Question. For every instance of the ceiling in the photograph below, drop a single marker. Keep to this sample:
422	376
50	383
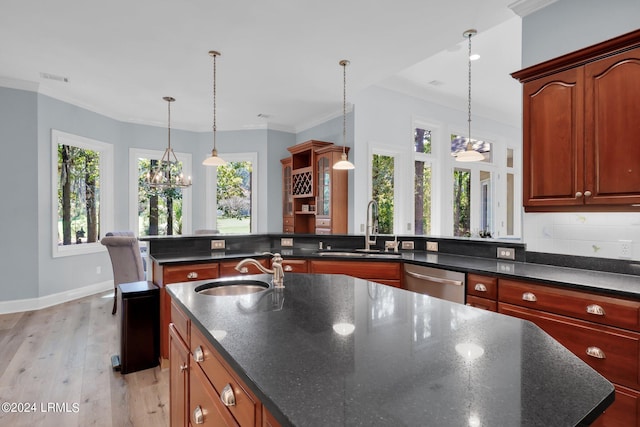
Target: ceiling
279	58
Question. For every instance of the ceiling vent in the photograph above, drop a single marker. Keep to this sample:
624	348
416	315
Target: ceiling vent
54	77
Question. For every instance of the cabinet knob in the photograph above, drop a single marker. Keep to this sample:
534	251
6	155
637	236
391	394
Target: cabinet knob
198	415
198	354
587	193
595	309
578	195
480	287
529	296
227	397
596	352
192	275
184	367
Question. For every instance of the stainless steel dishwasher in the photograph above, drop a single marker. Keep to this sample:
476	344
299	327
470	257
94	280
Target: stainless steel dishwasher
443	284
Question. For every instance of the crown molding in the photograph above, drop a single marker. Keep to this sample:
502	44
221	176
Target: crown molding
11	83
523	8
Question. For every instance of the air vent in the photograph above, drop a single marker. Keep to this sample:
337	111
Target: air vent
436	83
54	77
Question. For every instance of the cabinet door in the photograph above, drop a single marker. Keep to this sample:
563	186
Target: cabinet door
287	196
612	111
553	167
624	411
323	201
178	379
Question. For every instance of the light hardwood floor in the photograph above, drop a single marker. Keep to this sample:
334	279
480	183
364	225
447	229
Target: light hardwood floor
58	362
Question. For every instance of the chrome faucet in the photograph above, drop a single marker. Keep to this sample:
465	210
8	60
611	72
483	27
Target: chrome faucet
276	270
372	225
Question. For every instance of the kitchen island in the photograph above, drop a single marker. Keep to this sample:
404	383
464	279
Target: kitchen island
340	351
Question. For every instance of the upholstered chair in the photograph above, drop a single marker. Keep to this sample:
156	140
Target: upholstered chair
126	260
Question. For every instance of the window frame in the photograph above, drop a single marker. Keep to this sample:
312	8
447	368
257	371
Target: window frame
187	208
211	203
106	153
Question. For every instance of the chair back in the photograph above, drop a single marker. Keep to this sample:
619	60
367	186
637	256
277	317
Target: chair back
126	260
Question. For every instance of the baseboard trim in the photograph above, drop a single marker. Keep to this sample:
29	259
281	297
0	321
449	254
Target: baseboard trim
39	303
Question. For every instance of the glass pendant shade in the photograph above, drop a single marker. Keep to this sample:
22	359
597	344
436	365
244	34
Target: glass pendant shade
343	164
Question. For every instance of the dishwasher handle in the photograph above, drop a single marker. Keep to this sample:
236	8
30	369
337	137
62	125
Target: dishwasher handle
434	279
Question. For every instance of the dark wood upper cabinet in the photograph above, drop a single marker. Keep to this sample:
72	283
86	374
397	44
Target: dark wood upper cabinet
581	129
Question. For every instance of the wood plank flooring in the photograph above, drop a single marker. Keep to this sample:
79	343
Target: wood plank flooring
57	363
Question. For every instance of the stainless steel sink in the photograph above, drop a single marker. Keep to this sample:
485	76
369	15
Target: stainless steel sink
232	287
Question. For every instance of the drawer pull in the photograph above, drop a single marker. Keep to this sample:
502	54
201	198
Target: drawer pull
595	309
192	275
288	268
529	296
184	367
198	415
596	352
480	287
227	397
198	354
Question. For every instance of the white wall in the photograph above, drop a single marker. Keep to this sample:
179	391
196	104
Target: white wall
560	28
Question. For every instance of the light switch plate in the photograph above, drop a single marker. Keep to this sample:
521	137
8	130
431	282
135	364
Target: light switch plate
286	242
217	244
506	253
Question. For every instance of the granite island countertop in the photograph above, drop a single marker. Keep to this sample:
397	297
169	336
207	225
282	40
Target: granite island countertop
410	360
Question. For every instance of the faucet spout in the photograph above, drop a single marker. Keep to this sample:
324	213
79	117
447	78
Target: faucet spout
372	225
276	270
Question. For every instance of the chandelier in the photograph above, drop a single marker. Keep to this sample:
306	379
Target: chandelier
167	173
214	160
469	155
344	164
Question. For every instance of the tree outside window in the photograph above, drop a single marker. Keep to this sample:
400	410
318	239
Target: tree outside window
159	210
233	195
382	179
422	181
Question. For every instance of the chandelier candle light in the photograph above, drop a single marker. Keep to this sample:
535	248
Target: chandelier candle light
469	155
167	173
344	164
214	160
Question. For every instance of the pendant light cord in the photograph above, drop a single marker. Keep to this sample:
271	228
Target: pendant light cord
214	100
469	96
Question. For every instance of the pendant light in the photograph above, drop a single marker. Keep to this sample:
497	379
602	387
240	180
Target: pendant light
214	160
469	155
167	173
344	164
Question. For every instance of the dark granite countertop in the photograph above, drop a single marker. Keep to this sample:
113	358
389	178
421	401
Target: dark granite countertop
624	285
412	360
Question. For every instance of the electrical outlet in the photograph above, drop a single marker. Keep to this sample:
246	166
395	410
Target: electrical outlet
625	249
217	244
407	244
432	246
506	253
286	242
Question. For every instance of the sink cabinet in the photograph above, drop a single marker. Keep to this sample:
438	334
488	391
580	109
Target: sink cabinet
578	113
201	382
602	330
388	273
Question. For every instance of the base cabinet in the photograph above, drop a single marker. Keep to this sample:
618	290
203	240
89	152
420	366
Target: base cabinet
387	273
601	330
204	390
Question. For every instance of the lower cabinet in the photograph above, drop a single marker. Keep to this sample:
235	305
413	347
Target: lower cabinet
482	292
388	273
204	390
601	330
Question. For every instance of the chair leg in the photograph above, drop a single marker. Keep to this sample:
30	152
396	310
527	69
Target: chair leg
115	300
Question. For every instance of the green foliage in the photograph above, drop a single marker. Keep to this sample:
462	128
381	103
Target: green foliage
461	202
382	191
234	189
159	210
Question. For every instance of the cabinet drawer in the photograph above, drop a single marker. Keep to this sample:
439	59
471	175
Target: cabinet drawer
323	231
582	305
624	411
205	407
483	303
323	222
181	322
228	268
619	350
288	229
287	221
362	269
244	410
482	286
186	273
295	266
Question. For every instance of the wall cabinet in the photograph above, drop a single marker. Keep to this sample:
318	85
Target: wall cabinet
601	330
204	389
578	113
314	195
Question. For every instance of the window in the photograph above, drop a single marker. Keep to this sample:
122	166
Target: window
461	202
157	212
81	193
382	190
232	196
422	182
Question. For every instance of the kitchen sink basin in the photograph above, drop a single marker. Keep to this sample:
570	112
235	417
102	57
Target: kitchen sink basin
232	287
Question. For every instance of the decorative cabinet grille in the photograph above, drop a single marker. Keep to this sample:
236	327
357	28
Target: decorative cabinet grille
302	183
